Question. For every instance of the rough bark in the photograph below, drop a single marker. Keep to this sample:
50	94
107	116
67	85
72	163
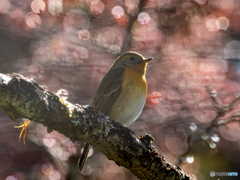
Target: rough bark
23	98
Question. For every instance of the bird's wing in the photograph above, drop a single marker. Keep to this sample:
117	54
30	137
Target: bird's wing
108	90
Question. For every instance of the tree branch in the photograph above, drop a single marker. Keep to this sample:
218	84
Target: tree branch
23	98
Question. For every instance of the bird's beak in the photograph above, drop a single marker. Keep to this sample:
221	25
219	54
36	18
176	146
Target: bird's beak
147	59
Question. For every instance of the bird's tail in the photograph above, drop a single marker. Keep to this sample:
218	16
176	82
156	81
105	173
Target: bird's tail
84	156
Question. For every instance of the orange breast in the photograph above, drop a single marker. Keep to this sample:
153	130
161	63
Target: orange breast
136	79
130	102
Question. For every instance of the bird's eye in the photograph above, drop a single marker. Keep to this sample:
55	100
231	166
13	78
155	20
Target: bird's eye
131	58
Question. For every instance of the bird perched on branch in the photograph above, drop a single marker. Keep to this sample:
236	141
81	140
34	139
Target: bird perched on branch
122	93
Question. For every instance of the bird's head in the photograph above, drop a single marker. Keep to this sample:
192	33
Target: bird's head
133	60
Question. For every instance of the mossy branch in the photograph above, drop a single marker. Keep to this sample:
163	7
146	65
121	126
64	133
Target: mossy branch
24	98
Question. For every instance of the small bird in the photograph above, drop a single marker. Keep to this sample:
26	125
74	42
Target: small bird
122	93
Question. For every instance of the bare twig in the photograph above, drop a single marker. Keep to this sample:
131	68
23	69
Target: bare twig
222	111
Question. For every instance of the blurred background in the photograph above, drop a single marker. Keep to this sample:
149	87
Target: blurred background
67	47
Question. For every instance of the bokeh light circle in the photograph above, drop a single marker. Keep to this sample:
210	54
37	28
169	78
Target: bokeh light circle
97	7
84	34
232	50
114	49
62	93
222	23
33	20
55	7
143	18
118	11
38	5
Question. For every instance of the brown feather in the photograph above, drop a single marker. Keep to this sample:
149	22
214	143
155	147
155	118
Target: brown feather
108	90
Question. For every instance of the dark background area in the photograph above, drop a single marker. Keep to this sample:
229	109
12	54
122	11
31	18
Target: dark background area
67	47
